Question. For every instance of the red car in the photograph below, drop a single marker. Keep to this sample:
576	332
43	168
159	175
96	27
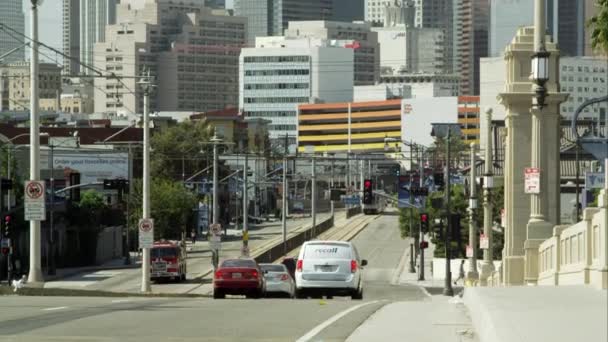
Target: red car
239	277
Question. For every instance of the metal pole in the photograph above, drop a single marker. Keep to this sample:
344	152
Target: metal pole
421	172
313	201
145	266
130	175
472	274
284	206
578	192
411	200
361	179
215	187
487	267
35	272
447	289
8	175
51	270
245	206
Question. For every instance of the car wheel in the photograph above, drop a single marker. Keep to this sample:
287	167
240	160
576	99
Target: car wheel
357	294
217	294
183	277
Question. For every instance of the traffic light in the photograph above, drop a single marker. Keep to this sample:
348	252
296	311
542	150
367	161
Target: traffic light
116	184
368	196
75	192
455	227
424	222
7	184
7	226
420	192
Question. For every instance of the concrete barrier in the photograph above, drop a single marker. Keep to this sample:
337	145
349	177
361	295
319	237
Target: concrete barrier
277	250
350	212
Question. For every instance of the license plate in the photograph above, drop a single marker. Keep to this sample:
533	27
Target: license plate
236	275
327	268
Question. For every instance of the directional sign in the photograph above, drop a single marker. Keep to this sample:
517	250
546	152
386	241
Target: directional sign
594	180
146	233
351	200
406	190
532	180
34	194
215	229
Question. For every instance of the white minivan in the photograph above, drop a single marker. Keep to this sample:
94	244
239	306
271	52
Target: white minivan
329	268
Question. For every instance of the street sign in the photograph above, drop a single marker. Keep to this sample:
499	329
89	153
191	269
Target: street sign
146	233
34	194
245	251
469	251
484	242
5	243
351	200
532	180
215	242
594	180
406	190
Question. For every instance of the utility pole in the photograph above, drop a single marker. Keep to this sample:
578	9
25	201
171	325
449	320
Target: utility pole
411	200
421	185
285	196
246	206
51	270
35	272
130	175
145	265
472	275
447	289
487	267
313	201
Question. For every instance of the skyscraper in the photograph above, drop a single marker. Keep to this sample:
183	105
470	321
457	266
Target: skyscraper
11	14
270	17
506	16
473	21
71	36
216	4
95	15
348	10
439	14
566	24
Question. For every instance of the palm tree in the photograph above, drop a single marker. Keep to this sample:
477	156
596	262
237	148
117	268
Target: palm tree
599	26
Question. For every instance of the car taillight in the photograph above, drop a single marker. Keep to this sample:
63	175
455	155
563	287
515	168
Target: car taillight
284	277
218	274
353	266
254	274
299	265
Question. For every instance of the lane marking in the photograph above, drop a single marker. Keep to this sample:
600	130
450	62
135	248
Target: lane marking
316	330
401	266
55	308
121	300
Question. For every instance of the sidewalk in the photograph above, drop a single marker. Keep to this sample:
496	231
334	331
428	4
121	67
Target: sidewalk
538	313
437	319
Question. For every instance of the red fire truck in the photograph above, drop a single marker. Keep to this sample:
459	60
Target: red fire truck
168	261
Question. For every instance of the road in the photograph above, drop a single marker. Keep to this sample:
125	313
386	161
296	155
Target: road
236	319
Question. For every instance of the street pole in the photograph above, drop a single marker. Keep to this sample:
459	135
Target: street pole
447	289
284	201
421	172
472	275
411	209
215	209
487	267
245	206
51	270
313	201
145	266
35	271
130	175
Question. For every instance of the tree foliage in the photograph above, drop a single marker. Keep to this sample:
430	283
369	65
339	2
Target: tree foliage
599	27
172	207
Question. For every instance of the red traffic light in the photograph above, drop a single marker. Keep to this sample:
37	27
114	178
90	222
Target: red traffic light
424	244
7	219
367	183
424	218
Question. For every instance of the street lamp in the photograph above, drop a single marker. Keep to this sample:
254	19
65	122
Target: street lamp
443	130
540	75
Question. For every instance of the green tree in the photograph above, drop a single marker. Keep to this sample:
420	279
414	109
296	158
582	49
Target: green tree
599	27
85	218
179	148
171	205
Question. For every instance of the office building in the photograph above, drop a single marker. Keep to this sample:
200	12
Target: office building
473	20
71	36
440	14
584	78
15	85
348	10
365	44
411	50
468	118
216	4
190	52
11	15
591	10
566	24
380	12
95	15
506	16
423	85
280	73
270	17
324	128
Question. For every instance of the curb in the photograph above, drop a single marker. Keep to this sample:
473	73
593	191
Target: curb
89	269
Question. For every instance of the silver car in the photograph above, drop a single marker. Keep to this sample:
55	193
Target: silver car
329	268
278	280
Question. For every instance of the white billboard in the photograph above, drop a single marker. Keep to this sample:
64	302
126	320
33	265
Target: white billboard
418	115
93	167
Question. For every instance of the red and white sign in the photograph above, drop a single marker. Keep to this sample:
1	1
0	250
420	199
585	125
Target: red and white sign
484	242
146	233
34	195
503	218
469	251
532	180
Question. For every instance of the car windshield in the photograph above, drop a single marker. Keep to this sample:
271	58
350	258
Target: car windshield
164	252
327	251
273	268
232	263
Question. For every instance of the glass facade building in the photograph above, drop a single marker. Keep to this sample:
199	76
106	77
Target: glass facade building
11	14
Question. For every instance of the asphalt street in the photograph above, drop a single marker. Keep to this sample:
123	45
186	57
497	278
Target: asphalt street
235	319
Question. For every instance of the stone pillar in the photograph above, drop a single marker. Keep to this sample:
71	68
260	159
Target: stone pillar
517	98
